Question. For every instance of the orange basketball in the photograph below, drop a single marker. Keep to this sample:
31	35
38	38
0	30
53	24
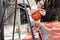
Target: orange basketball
36	16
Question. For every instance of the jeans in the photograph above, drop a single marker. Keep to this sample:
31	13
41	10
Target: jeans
45	36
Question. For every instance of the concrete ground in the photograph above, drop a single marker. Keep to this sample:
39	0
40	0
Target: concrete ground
8	31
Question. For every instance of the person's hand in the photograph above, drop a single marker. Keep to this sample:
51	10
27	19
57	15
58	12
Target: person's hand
43	12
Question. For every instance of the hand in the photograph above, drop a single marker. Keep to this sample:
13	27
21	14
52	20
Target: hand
43	12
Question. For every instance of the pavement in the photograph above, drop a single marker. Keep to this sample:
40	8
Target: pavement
54	34
8	31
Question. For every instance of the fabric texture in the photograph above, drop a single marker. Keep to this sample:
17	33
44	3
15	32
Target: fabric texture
45	36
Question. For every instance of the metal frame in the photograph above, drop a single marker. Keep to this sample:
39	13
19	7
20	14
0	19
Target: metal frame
14	20
28	20
2	10
2	17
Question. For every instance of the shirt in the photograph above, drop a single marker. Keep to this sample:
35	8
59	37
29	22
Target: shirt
31	2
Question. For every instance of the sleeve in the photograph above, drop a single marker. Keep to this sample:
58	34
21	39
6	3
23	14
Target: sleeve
32	3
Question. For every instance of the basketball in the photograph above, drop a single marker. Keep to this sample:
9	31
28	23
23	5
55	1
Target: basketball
36	16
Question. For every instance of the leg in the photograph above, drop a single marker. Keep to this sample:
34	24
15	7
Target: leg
45	36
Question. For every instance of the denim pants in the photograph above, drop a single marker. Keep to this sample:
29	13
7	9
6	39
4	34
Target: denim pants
45	36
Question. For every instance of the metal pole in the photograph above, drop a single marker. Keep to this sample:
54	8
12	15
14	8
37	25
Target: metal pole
28	20
2	10
19	24
14	20
2	25
28	4
19	31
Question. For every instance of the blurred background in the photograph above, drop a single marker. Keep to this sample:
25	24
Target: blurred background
7	8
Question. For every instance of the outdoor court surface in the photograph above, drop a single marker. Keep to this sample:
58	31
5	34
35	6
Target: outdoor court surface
54	33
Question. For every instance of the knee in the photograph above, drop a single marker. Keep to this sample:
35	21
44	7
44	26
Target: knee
46	33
